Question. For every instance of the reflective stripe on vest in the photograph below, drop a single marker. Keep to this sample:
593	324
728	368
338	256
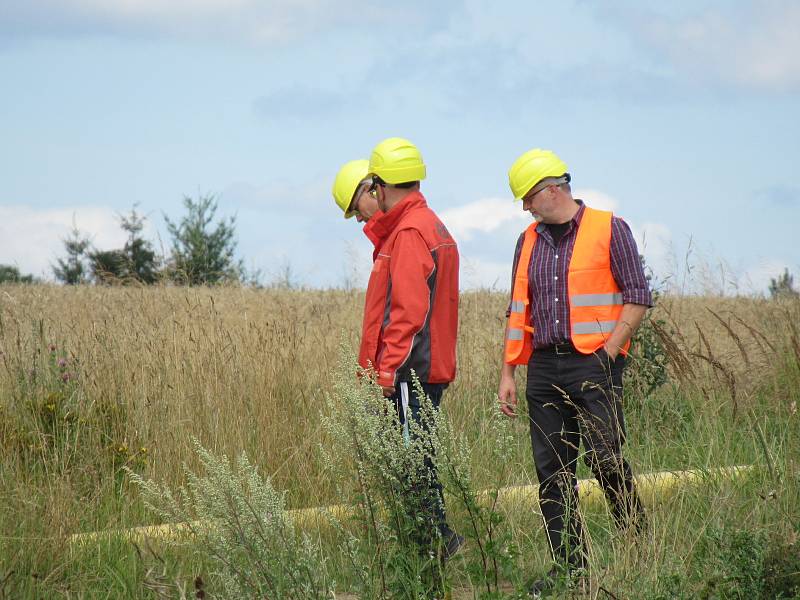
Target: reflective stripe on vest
515	334
596	327
518	307
595	300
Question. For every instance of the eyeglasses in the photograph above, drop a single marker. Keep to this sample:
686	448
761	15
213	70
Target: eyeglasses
544	184
353	209
528	197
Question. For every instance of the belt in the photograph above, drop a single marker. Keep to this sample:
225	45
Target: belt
558	349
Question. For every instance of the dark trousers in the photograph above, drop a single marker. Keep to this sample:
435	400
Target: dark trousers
574	397
434	391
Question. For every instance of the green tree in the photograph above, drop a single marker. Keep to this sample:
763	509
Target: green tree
72	268
136	261
782	286
107	266
142	263
201	252
11	274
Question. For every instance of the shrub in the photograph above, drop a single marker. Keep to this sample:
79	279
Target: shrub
646	368
748	564
11	274
782	286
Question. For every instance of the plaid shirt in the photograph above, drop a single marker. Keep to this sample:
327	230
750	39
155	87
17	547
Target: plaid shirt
547	276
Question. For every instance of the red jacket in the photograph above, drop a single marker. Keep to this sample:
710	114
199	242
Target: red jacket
411	307
376	232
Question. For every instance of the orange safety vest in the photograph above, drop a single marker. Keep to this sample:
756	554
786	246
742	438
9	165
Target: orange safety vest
595	300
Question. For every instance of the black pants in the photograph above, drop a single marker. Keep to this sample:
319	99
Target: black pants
434	391
573	397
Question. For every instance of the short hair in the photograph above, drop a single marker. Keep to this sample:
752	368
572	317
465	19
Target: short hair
562	182
406	184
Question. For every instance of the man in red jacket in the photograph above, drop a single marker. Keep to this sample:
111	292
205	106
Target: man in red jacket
411	306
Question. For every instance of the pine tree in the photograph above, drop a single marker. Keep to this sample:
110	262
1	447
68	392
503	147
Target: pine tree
136	261
141	258
71	269
202	254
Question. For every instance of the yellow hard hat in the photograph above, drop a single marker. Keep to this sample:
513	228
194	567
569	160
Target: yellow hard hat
533	166
346	183
396	160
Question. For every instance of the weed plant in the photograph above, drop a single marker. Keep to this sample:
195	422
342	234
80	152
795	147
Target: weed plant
393	543
239	522
390	476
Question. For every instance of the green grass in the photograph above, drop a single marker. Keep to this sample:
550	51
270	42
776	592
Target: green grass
248	371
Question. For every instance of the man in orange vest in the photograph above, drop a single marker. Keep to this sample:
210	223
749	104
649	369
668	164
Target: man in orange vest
411	305
578	294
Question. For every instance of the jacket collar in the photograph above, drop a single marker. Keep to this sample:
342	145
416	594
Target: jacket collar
391	219
376	232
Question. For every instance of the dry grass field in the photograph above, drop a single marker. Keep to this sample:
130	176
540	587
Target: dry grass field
93	379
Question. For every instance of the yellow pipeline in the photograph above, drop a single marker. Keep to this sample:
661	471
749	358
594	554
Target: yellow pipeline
651	486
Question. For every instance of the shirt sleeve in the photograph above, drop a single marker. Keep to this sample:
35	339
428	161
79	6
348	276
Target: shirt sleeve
410	268
626	265
517	252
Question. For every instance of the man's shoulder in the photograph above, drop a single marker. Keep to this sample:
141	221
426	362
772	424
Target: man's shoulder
620	224
427	223
535	227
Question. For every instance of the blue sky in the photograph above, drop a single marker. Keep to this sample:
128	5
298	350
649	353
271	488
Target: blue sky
682	117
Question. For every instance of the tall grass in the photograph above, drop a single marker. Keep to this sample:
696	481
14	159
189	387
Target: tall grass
93	380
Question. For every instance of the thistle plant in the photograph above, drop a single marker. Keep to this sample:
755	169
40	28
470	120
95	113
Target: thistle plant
239	521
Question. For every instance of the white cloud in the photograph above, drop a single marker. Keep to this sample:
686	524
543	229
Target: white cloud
597	199
501	216
482	216
753	45
31	239
489	214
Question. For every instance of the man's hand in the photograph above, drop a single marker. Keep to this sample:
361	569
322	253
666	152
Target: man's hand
388	391
612	351
627	322
507	395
